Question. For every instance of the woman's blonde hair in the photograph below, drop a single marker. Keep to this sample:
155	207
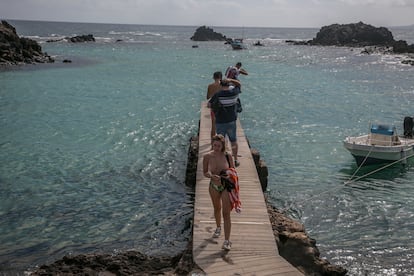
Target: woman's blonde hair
221	139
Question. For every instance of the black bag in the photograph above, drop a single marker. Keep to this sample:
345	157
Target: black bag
408	127
228	185
239	107
216	105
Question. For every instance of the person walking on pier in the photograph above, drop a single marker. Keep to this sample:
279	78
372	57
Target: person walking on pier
224	105
212	89
215	163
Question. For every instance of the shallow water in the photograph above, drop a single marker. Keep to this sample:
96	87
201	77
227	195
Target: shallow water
93	153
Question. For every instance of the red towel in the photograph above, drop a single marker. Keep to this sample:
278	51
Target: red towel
234	193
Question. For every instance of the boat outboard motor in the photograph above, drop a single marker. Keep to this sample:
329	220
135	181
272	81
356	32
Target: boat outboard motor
408	127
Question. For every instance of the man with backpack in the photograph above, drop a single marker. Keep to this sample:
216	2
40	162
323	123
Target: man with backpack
233	72
224	105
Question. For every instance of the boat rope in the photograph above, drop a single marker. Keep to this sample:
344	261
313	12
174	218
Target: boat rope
379	169
362	163
284	210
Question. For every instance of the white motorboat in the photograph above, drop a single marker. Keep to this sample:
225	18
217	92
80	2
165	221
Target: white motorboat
237	44
381	145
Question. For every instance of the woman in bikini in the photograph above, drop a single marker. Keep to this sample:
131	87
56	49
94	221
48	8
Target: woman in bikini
215	162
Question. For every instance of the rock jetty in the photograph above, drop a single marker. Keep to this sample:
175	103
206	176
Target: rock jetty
19	50
204	33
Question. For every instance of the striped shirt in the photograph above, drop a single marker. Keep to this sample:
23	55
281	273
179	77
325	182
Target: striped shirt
228	99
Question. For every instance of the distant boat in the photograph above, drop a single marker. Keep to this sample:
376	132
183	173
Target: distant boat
237	44
381	145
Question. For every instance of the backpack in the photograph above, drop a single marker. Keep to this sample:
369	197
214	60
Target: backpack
231	72
239	106
216	105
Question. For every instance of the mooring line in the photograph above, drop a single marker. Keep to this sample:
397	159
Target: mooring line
349	181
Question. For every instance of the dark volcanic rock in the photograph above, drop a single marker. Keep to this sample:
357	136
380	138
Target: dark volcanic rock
355	34
15	50
401	46
298	248
82	38
126	263
375	40
408	62
204	33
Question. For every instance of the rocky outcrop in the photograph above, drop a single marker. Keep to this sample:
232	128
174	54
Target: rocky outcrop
125	263
81	38
375	40
350	35
16	50
298	248
354	35
77	39
401	46
204	33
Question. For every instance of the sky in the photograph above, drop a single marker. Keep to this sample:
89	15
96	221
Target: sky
239	13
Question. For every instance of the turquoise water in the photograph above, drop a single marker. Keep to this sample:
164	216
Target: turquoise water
93	153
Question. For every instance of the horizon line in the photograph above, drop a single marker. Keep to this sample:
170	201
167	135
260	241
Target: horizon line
179	25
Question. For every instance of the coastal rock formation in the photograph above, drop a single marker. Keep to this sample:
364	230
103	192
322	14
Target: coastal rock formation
81	38
350	35
204	33
15	49
375	40
354	35
297	247
126	263
76	39
401	46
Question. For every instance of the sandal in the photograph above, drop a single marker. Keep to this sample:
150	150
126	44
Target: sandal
236	163
227	245
217	232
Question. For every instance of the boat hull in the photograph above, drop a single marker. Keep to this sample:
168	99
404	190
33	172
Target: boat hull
368	154
237	46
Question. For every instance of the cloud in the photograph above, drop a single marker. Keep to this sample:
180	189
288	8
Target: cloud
386	3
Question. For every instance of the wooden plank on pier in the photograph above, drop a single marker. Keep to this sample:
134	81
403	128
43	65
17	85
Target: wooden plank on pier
254	249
